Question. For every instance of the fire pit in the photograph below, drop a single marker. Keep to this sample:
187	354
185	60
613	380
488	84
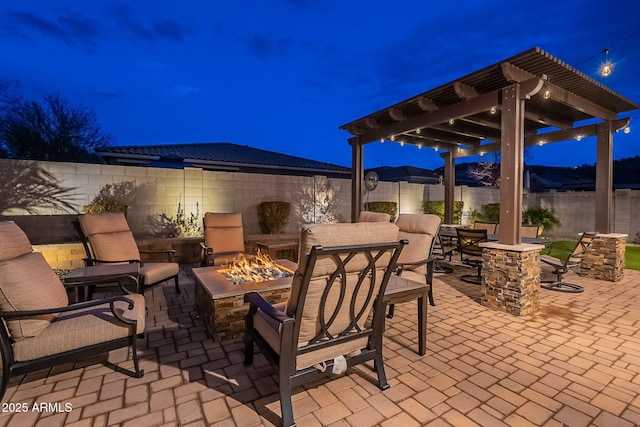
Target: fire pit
220	300
253	268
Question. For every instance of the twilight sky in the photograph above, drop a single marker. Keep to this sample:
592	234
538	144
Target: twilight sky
283	75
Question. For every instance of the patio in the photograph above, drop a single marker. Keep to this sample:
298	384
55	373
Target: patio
575	362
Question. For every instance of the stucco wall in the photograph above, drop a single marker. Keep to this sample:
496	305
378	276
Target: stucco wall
158	191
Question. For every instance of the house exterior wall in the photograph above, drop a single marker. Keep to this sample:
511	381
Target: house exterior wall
157	191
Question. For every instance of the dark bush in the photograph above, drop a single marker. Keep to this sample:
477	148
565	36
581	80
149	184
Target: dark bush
385	207
273	217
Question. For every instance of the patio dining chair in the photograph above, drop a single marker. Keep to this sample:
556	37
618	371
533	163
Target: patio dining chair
471	252
223	237
491	227
416	261
107	239
563	261
40	329
334	318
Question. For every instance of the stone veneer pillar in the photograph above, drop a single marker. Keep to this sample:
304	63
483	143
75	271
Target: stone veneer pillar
511	277
604	258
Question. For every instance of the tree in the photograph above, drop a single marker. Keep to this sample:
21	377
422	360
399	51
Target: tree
52	130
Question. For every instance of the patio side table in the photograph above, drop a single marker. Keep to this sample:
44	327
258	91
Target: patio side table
101	273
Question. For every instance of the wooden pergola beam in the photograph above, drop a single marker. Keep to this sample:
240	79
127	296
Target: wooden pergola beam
464	108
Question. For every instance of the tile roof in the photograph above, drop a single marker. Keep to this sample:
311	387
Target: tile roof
217	156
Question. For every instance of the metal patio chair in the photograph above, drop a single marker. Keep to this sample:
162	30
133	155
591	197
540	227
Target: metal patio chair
40	329
223	237
107	239
563	263
471	252
334	318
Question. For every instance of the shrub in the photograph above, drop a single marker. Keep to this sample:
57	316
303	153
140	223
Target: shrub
491	212
385	207
541	216
436	207
273	216
180	226
107	206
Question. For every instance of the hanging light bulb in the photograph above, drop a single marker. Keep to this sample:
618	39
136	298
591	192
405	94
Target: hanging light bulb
493	110
451	121
418	131
393	138
419	146
579	138
546	94
381	140
401	143
436	148
607	68
627	129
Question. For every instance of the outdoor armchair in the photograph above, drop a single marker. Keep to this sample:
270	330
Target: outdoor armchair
470	251
223	237
532	231
369	216
107	239
563	261
334	317
40	329
416	261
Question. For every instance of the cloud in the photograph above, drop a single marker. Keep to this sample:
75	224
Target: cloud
68	28
170	29
266	48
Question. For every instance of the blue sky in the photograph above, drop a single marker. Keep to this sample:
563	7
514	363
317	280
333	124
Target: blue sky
283	75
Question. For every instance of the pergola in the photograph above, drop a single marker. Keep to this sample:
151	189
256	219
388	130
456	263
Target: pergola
531	98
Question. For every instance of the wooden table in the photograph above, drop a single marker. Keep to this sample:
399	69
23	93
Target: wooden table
221	304
102	274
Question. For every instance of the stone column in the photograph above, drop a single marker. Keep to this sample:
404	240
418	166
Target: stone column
604	258
511	277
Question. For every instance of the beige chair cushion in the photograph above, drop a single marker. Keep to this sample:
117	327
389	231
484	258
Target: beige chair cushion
109	236
82	328
368	216
13	241
153	272
27	282
335	235
419	230
224	232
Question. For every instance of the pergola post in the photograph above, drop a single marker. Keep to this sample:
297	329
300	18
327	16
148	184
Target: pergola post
511	164
604	178
357	174
449	186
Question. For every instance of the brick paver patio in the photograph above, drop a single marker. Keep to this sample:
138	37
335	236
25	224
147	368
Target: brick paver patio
574	363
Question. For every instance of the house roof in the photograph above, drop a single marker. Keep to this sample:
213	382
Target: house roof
219	156
410	174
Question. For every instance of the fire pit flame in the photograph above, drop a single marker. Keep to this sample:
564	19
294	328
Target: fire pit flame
253	268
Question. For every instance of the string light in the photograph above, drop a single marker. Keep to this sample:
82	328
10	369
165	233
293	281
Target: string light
579	138
393	138
451	121
627	129
419	146
381	140
607	68
546	94
401	143
493	110
436	148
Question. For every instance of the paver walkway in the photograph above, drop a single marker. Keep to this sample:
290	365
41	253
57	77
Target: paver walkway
574	363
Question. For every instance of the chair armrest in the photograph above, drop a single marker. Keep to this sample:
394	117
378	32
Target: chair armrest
256	301
170	253
96	282
400	266
207	250
102	261
8	315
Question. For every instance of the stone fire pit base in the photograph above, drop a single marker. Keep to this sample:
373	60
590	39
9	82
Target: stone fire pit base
221	304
